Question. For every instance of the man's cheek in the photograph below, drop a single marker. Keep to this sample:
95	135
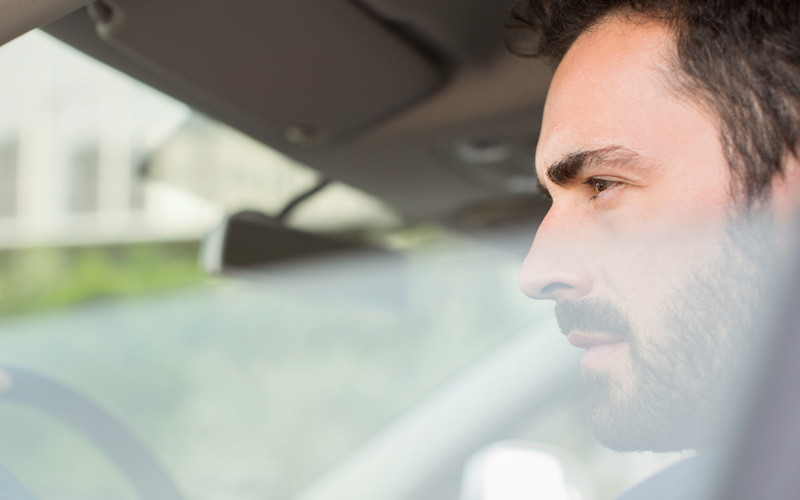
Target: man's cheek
634	265
652	255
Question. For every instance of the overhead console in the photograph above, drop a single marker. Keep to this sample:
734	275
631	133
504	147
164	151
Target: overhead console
312	71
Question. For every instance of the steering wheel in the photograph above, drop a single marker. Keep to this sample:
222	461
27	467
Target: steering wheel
118	444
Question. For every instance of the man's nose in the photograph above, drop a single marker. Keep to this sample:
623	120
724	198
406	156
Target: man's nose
556	267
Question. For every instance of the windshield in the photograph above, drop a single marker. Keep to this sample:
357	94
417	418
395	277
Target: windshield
242	388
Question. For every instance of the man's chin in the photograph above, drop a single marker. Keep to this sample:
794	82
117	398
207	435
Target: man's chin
629	421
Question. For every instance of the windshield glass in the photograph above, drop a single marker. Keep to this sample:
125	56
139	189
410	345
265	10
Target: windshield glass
241	388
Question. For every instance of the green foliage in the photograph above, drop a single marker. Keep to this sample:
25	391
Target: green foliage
48	278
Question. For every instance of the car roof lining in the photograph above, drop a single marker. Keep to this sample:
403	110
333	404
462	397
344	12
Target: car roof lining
402	156
21	16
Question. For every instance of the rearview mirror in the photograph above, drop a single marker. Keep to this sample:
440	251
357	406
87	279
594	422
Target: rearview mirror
249	239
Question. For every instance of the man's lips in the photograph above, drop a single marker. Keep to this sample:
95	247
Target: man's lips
601	348
587	340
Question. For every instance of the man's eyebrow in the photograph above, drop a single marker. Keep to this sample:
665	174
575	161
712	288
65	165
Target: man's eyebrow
571	164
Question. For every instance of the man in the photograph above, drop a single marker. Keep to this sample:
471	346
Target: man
670	148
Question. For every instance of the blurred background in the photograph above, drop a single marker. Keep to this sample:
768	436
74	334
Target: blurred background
101	176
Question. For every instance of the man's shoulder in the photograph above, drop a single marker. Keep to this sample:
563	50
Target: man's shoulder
694	478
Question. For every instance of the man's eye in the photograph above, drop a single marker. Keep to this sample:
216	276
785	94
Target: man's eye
599	185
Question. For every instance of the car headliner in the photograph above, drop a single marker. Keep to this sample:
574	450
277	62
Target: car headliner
375	93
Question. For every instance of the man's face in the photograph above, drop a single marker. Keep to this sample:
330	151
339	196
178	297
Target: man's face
640	248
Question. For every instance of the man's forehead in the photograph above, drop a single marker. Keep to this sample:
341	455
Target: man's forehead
617	67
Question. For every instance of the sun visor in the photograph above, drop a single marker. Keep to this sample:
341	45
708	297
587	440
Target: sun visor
311	71
19	17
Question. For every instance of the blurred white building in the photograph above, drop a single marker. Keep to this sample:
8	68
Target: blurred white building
90	156
73	134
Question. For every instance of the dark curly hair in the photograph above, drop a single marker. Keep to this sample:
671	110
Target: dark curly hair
739	58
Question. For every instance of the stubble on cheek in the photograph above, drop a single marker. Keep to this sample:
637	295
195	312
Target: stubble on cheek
687	350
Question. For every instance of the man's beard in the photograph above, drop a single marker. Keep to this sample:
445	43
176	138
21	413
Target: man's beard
688	368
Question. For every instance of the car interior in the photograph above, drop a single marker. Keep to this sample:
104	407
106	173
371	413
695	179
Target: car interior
419	105
424	93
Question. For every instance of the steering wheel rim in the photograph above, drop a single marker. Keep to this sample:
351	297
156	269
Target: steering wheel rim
68	406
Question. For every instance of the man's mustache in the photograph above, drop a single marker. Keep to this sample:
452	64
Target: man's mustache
592	315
